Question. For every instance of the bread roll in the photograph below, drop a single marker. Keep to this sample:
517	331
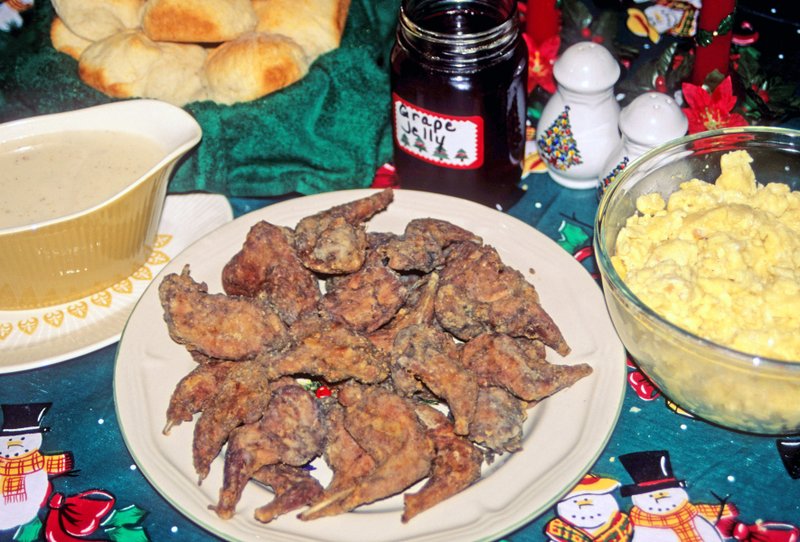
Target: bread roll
128	64
197	21
65	40
157	48
97	19
253	65
316	25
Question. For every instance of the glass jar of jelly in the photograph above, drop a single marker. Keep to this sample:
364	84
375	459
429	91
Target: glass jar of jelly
458	77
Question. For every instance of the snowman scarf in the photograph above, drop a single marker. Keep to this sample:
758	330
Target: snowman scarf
14	470
681	520
618	530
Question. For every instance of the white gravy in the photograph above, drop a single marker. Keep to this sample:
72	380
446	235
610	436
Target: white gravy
53	175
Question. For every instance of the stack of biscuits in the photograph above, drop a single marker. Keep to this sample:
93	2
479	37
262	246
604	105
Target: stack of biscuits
181	51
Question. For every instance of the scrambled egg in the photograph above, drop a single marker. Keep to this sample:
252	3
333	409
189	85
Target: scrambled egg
720	260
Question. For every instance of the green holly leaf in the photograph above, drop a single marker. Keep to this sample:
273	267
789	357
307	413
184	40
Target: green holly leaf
575	14
704	38
644	78
572	237
663	62
605	25
713	79
29	532
749	66
678	74
127	534
131	515
725	25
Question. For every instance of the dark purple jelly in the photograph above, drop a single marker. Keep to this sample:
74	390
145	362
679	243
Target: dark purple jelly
458	99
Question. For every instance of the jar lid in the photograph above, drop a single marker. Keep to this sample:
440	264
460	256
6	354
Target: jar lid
652	118
586	66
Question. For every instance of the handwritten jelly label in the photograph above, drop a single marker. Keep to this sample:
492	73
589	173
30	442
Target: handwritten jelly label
454	142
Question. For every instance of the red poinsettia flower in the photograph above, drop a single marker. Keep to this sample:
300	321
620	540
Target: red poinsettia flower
711	111
540	63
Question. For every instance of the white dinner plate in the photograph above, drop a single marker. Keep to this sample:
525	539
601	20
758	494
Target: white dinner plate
563	435
38	337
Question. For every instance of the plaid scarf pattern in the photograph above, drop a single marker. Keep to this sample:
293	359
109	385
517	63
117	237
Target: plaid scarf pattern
619	530
14	470
681	520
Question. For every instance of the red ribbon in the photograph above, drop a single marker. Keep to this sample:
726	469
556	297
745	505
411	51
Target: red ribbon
76	516
767	531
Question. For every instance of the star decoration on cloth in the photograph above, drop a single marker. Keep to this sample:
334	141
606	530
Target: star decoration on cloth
540	63
711	111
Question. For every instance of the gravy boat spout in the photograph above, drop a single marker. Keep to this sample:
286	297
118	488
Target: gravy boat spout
53	260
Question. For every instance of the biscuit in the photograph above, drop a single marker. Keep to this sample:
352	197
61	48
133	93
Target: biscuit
252	66
197	21
65	40
129	64
97	19
316	25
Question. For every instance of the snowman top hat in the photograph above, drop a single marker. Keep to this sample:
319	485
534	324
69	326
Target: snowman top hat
650	471
20	419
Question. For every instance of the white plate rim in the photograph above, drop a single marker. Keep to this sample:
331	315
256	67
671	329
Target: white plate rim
535	489
185	218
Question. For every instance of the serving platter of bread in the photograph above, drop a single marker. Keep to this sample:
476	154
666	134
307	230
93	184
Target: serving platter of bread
181	51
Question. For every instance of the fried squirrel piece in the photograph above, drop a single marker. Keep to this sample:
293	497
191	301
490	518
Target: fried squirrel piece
418	309
387	428
498	420
512	364
456	465
267	267
421	247
241	399
479	294
325	348
366	299
334	241
348	461
294	488
433	357
217	325
289	432
196	391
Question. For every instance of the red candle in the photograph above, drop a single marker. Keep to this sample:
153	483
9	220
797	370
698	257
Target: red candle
716	55
543	20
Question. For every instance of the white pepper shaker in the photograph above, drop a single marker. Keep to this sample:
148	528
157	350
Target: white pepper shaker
649	120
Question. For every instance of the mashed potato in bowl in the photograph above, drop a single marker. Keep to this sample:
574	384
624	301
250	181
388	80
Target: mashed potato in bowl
720	260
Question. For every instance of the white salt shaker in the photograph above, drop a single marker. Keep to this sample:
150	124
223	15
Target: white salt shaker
579	124
649	120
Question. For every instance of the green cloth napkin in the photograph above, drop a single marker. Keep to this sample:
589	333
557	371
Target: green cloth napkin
329	131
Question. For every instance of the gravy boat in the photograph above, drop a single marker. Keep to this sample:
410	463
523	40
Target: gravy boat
63	259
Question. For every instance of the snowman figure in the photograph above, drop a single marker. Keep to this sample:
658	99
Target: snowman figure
24	470
590	512
662	511
10	10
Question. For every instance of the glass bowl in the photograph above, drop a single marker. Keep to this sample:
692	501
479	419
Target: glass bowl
719	384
